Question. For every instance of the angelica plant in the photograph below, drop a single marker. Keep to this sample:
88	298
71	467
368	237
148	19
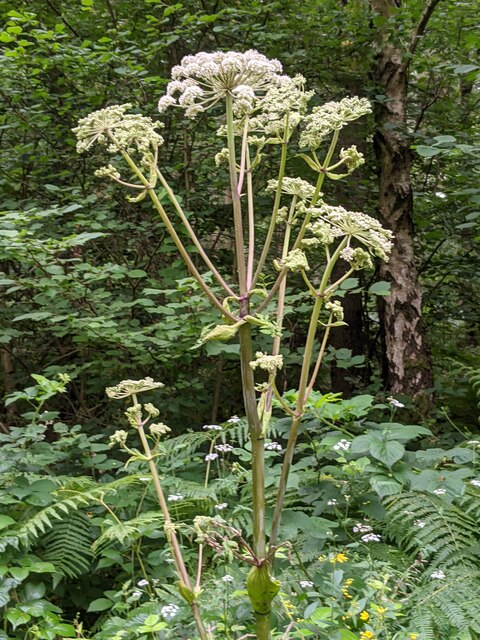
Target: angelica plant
260	108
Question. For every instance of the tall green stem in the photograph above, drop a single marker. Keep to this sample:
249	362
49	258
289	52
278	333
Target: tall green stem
273	221
262	622
302	396
237	207
170	527
192	233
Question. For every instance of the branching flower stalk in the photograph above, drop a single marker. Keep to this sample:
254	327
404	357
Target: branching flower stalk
130	389
261	108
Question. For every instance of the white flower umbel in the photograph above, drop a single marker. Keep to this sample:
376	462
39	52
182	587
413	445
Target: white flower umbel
357	225
202	80
293	186
132	132
331	117
282	108
128	388
266	362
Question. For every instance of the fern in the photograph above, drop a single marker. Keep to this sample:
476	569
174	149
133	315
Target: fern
444	601
80	492
68	545
128	531
443	534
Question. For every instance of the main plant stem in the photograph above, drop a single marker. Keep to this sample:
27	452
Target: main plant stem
262	621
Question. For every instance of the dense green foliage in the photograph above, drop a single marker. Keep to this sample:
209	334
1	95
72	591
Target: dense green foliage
91	287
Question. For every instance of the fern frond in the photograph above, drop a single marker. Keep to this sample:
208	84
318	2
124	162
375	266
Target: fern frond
442	533
128	531
68	545
80	492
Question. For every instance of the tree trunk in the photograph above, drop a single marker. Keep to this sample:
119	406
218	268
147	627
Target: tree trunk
408	358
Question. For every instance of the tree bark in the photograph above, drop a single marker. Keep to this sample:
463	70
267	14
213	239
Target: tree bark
409	364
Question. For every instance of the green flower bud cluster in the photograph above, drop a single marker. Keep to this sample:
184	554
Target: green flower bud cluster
267	362
119	437
293	186
331	117
335	307
295	261
118	131
340	222
352	158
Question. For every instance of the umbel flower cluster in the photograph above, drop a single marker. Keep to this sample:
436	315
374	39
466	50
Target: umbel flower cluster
118	130
336	222
201	81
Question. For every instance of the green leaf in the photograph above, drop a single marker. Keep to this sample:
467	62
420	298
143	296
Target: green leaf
6	521
381	288
19	573
427	152
387	451
100	604
137	273
17	617
461	69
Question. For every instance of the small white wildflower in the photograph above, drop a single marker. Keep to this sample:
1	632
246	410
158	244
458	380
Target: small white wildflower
371	537
438	575
440	492
227	578
119	130
174	497
221	506
360	527
223	448
419	523
475	483
169	611
332	502
142	583
273	446
136	595
306	584
439	194
152	411
395	403
342	445
210	457
474	443
212	427
233	420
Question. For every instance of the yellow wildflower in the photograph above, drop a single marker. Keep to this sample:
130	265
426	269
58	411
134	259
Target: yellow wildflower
340	557
366	635
412	636
364	616
381	611
348	581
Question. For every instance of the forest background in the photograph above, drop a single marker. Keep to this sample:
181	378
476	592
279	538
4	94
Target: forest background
91	285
